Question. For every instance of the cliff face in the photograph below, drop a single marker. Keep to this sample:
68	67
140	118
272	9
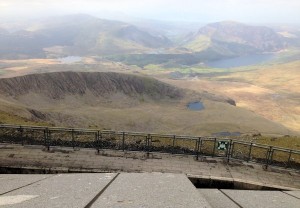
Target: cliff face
59	84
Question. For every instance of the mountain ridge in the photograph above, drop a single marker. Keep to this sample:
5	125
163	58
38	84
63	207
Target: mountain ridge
236	38
87	35
79	35
57	85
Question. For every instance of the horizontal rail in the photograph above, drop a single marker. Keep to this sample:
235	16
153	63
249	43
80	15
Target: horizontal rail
150	142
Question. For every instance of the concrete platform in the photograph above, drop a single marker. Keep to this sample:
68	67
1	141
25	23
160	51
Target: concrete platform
265	199
293	193
68	190
217	199
130	190
11	182
135	190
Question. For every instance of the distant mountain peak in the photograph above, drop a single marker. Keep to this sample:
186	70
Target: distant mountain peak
227	22
237	38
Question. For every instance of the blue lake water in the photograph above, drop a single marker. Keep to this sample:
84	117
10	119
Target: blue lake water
70	59
241	61
196	106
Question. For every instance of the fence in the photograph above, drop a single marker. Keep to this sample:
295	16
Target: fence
134	141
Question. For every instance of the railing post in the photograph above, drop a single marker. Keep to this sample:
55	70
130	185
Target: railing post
173	146
269	157
21	135
231	148
100	139
229	151
148	144
97	141
214	150
198	148
289	160
250	150
123	141
73	139
47	138
32	134
1	134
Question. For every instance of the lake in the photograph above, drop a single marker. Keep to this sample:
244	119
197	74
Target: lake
70	59
241	61
196	106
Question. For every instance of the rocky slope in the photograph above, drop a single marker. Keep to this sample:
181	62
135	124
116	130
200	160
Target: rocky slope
60	84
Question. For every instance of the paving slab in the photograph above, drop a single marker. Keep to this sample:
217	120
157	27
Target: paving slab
136	190
293	193
217	199
9	182
265	199
63	190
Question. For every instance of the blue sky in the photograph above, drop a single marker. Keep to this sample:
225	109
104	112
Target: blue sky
256	11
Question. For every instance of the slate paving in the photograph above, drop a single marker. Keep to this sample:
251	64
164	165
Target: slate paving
134	190
293	193
265	199
62	190
217	199
11	182
151	190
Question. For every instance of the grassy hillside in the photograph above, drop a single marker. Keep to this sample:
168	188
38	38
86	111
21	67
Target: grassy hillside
126	102
199	43
282	86
8	118
270	90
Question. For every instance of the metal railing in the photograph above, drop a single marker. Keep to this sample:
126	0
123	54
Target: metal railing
139	141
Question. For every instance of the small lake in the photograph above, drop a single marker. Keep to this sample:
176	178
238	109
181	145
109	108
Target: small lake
241	61
195	106
70	59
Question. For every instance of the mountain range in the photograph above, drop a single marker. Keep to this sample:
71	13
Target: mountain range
232	38
84	35
78	35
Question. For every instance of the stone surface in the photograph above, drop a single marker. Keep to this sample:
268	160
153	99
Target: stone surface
130	190
136	190
11	182
217	199
294	193
63	190
265	199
